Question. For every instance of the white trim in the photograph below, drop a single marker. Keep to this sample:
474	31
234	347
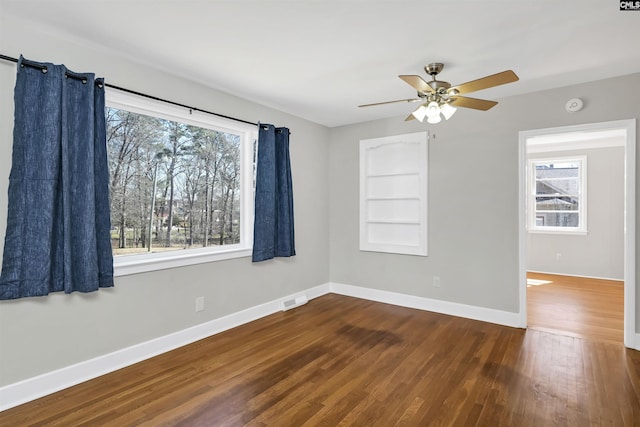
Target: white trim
630	216
580	141
522	230
629	129
134	264
155	108
560	231
483	314
33	388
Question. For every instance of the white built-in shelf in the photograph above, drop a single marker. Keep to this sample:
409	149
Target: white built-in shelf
393	194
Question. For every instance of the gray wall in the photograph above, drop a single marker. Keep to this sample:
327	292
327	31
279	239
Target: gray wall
38	335
473	195
599	253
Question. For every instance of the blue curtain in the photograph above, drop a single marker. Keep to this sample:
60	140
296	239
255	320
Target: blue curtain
273	234
58	222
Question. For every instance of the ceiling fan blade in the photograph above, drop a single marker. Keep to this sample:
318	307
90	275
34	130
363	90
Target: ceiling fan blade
476	104
410	117
417	83
486	82
391	102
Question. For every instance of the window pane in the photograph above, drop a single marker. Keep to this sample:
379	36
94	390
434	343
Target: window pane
557	169
558	178
172	186
557	219
557	203
557	186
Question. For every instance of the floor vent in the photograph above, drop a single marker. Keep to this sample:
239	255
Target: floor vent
293	303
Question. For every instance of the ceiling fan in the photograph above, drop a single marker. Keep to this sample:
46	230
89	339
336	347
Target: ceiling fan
440	98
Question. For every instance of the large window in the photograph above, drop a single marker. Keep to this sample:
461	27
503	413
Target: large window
181	184
557	195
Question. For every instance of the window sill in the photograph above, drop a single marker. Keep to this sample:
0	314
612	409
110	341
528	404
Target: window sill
560	232
134	264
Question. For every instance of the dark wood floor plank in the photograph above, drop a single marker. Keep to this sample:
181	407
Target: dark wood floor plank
341	361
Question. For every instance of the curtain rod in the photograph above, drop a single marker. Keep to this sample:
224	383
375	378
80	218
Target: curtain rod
15	60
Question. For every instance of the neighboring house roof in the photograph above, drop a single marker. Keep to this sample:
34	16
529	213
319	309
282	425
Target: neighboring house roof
550	181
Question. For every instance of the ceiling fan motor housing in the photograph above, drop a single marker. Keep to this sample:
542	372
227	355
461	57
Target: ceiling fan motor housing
434	68
439	86
440	92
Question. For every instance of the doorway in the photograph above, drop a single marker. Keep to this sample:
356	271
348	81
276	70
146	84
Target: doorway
550	138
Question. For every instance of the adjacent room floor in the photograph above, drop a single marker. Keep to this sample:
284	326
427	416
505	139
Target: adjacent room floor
576	306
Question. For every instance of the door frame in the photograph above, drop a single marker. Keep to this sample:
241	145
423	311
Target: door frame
631	339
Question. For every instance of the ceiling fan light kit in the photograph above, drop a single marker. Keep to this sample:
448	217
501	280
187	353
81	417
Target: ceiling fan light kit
432	112
438	98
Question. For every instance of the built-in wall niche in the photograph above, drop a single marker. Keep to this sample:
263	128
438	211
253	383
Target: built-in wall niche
393	194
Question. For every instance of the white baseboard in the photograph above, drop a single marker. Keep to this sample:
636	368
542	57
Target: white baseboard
575	275
33	388
438	306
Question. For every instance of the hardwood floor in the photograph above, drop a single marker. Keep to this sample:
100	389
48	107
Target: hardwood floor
576	306
351	362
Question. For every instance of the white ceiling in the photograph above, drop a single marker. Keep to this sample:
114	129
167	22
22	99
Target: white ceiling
320	59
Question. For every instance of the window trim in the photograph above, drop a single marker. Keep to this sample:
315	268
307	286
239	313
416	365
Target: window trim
582	196
146	262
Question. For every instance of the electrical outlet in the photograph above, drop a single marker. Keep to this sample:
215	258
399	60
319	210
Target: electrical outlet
558	256
436	281
199	303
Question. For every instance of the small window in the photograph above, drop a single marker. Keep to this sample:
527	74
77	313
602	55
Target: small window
557	195
181	185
